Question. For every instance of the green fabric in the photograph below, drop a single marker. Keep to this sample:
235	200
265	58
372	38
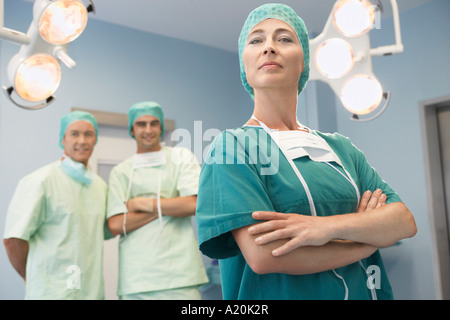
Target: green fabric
69	118
151	258
232	187
63	222
285	14
145	108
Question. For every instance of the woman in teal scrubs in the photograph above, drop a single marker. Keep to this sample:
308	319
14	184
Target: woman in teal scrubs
282	206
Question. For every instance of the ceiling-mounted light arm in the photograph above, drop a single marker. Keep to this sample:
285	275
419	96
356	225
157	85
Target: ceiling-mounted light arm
9	91
62	55
398	46
387	97
20	37
9	34
35	71
14	36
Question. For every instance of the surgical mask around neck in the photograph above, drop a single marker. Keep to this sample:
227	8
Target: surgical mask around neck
297	144
76	170
149	159
300	143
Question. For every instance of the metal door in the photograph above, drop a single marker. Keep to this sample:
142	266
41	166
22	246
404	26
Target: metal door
435	118
443	120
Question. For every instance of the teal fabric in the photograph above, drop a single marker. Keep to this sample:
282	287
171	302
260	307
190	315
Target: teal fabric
69	118
145	108
232	187
287	15
76	170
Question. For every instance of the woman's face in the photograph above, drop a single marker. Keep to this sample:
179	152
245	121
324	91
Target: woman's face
273	56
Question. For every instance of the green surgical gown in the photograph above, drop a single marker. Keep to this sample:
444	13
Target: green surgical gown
152	258
63	222
232	186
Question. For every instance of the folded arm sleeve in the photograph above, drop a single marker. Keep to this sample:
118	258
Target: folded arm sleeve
369	179
231	188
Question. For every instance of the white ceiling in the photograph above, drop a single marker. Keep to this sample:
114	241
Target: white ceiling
214	23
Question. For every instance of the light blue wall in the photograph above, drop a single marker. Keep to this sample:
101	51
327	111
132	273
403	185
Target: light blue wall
119	66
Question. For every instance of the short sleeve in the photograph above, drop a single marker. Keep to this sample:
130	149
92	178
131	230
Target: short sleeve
369	179
231	188
117	192
26	211
187	184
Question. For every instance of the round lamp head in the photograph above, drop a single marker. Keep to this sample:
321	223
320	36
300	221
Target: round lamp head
353	17
334	58
37	78
62	21
361	94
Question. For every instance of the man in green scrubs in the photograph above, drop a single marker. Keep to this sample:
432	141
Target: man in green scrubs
55	223
151	199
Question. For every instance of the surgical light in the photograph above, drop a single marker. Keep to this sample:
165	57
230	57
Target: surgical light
353	17
37	78
343	57
361	94
35	71
62	21
334	58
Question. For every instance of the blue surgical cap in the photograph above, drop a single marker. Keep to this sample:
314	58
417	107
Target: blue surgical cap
145	108
286	14
72	117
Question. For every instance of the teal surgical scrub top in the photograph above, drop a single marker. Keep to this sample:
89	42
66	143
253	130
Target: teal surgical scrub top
63	221
245	172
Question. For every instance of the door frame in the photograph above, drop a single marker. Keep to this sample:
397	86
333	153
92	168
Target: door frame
436	192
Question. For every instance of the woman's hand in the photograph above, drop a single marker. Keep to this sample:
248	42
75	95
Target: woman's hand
303	230
370	201
300	230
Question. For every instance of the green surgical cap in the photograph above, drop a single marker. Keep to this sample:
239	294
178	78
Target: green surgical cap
287	15
145	108
72	117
